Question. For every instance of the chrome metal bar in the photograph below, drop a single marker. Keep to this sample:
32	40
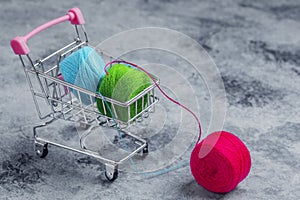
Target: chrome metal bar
57	52
123	104
143	99
114	114
36	73
128	112
51	69
145	110
40	126
132	153
77	32
72	49
85	33
30	87
82	151
104	107
135	136
136	107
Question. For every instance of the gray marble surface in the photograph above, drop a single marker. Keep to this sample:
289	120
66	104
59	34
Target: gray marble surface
255	45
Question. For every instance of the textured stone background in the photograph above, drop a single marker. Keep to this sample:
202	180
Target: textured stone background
256	47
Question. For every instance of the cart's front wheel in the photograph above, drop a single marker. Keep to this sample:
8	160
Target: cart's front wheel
41	149
111	176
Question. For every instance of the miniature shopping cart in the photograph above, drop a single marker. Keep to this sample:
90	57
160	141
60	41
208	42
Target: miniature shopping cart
47	85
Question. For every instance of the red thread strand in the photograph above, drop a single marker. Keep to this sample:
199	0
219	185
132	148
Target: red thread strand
161	90
227	161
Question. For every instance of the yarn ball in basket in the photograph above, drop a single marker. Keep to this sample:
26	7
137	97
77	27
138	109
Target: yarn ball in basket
123	83
220	162
83	68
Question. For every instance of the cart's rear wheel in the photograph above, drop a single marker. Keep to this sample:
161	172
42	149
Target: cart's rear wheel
41	149
145	149
111	176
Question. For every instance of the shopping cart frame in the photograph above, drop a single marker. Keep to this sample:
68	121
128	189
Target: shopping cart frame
62	104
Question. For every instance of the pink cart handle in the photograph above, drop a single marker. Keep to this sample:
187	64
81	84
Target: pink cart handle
19	43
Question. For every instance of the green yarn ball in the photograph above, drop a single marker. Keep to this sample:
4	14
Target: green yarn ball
122	84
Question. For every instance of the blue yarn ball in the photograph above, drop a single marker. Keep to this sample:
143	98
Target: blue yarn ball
83	68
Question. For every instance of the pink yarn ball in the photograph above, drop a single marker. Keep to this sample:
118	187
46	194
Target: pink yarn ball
220	162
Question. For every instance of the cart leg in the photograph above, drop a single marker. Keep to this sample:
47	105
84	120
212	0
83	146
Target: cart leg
41	149
111	172
144	150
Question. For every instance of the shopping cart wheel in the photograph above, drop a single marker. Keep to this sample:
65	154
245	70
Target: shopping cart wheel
145	149
41	149
111	176
111	172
